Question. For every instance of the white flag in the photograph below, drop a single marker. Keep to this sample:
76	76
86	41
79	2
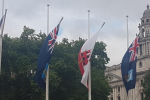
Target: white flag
84	57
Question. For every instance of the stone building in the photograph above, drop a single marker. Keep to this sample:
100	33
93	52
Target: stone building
143	64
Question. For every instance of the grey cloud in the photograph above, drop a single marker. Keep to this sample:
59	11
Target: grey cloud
33	13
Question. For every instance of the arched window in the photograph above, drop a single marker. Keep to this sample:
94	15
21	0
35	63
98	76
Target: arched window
147	20
143	30
118	89
118	97
142	21
140	64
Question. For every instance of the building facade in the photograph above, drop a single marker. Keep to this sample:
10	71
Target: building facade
143	64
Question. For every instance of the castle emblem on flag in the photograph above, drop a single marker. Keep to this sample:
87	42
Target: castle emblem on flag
85	57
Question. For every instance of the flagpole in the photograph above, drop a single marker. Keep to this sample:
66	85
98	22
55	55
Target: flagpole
3	23
2	8
1	37
127	44
89	83
88	23
127	34
47	75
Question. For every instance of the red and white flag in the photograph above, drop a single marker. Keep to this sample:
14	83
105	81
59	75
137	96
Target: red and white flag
84	57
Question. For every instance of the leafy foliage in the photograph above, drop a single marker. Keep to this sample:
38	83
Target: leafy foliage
20	58
146	85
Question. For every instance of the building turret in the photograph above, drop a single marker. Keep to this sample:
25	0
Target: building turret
144	30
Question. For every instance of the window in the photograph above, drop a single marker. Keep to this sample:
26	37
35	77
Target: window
141	82
118	97
140	64
143	30
118	89
142	21
147	35
140	49
147	20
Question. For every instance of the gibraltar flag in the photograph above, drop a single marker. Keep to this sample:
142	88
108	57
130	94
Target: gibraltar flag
84	57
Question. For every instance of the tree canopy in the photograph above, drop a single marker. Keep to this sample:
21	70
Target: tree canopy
19	63
146	85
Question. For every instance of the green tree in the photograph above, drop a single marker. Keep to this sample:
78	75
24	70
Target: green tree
64	62
20	57
146	85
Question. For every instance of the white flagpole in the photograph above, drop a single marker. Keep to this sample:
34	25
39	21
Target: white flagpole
89	83
1	37
47	75
127	47
2	8
127	34
88	23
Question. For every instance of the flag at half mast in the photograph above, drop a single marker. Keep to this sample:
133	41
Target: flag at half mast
45	56
2	22
84	57
128	65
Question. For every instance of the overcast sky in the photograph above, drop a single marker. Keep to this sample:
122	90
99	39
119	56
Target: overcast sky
33	13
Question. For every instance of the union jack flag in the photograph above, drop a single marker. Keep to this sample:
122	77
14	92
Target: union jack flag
133	49
52	39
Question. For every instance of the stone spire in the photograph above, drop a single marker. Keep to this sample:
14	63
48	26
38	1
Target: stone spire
147	6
